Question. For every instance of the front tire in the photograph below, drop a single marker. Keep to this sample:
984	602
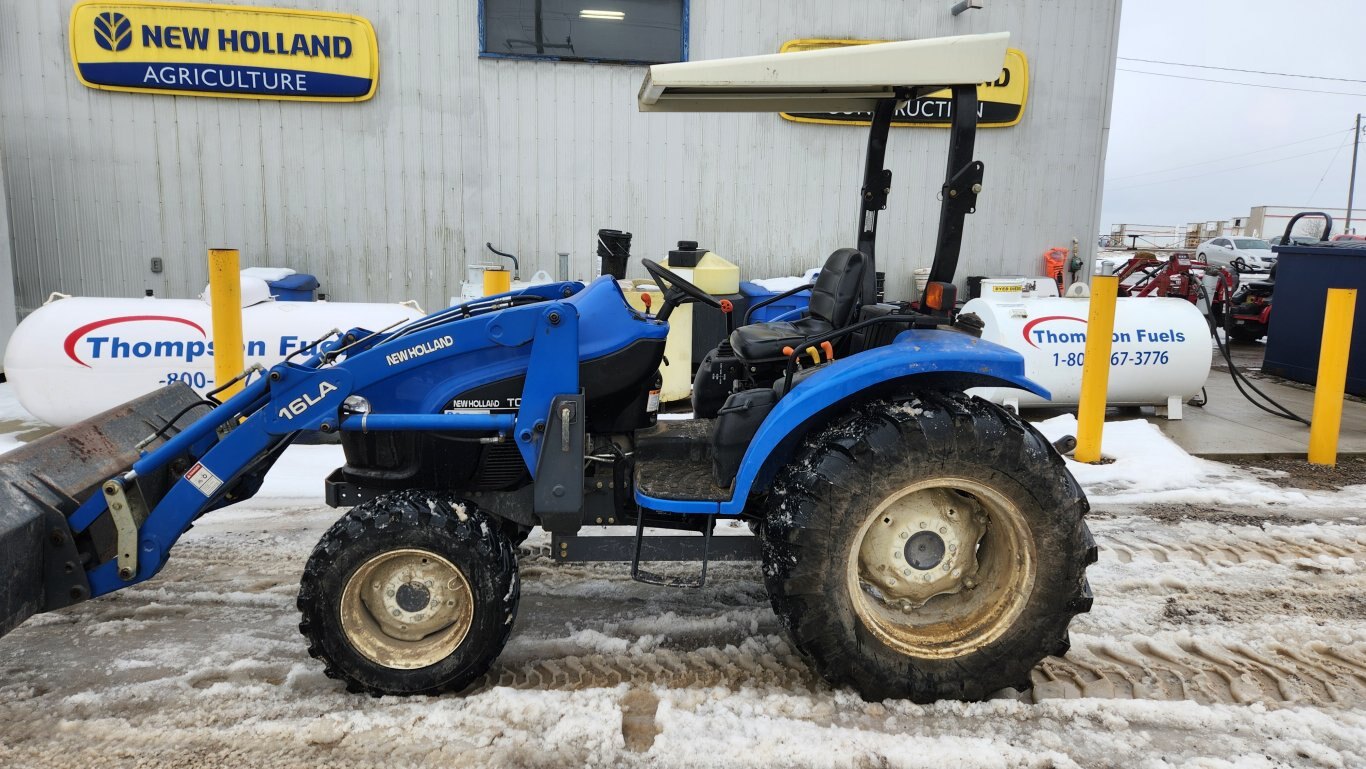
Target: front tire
928	548
410	593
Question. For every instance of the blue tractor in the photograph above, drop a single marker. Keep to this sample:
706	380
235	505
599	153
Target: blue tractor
916	542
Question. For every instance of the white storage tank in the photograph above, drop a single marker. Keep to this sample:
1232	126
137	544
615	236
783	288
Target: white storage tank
1160	354
75	357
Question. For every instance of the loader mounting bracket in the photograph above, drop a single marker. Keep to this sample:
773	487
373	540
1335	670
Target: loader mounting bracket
127	509
558	496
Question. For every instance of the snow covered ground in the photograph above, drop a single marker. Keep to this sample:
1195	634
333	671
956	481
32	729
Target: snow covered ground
1229	629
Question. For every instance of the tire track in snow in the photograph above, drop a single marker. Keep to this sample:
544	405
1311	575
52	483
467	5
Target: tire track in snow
1232	546
759	661
1210	665
1208	671
1197	668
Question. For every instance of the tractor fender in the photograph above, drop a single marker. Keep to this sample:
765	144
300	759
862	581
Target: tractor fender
946	360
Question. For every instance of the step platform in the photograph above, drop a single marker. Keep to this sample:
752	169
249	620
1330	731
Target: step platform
674	461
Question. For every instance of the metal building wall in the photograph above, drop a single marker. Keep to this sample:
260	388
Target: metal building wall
388	199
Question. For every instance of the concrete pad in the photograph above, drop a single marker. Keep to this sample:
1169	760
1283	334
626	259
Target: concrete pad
1229	426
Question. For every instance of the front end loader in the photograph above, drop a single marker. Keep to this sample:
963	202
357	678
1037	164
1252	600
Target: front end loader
916	542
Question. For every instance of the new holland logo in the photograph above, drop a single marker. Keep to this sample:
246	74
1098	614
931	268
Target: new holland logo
202	48
113	31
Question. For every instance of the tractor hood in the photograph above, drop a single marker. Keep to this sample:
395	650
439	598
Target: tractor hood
845	79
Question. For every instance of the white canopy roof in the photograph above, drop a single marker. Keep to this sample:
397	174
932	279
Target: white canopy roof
844	79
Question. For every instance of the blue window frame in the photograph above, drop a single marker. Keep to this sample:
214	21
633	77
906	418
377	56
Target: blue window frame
608	31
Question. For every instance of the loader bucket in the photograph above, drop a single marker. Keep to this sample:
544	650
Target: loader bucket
41	565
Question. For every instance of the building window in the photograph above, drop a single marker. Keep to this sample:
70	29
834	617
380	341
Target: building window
623	31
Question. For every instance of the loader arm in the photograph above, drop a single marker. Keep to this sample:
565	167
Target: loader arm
232	446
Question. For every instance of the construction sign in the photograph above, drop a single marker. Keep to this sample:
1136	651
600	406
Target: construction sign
1000	103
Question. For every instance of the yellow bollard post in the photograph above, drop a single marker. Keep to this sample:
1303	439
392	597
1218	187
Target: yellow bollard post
1095	369
225	293
1332	378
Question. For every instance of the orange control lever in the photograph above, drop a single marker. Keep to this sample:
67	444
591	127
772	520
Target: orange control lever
646	300
829	350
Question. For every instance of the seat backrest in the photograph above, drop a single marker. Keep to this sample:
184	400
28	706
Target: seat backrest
836	293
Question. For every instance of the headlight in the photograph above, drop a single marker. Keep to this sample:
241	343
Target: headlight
356	405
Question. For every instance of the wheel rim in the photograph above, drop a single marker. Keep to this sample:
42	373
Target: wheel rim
941	567
407	609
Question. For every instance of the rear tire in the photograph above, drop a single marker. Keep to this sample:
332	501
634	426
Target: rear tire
928	548
410	593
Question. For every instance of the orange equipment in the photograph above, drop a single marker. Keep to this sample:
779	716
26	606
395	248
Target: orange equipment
1055	260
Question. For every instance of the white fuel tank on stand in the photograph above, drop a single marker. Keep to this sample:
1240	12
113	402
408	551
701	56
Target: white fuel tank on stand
1160	354
75	357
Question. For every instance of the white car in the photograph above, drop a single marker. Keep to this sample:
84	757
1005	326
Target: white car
1243	254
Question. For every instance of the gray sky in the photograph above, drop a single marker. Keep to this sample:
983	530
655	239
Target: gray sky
1279	140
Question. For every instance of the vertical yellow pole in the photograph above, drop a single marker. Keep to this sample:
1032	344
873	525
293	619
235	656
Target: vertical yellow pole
1332	379
225	293
1095	370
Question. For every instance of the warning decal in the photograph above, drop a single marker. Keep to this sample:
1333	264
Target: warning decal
202	478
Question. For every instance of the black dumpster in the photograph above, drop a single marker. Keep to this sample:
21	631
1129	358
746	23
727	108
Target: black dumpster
1303	276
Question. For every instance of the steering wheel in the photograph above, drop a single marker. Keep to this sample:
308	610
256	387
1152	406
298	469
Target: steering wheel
677	291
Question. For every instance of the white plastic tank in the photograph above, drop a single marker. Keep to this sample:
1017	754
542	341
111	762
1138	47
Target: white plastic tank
1160	354
75	357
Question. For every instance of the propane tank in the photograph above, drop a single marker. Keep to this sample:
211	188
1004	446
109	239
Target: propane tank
1160	353
76	357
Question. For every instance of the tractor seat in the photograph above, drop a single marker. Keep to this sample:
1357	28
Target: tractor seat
834	299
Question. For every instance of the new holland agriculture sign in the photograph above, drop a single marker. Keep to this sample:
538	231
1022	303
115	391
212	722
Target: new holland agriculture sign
193	49
1001	102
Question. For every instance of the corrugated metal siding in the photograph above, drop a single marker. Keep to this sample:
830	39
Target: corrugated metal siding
388	199
8	317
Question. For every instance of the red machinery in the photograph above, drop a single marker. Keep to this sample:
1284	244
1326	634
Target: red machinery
1177	276
1244	310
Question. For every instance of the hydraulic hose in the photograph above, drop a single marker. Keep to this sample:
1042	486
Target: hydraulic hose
1239	378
